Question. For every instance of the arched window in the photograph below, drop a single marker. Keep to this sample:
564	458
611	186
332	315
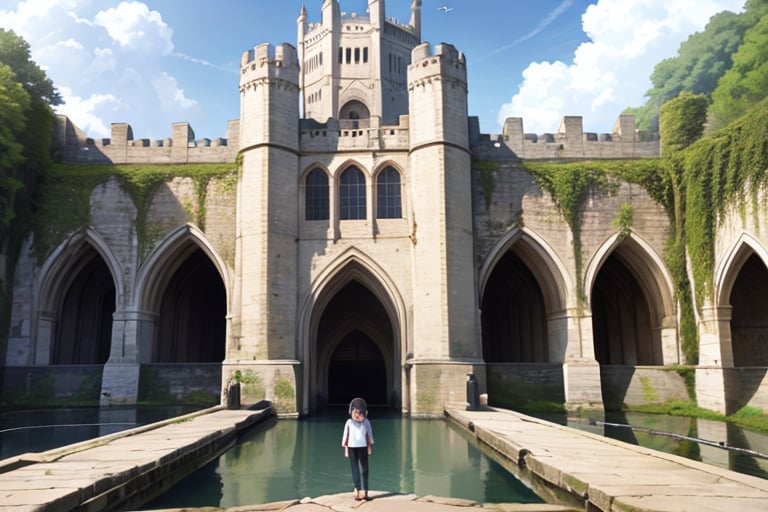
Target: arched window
352	194
388	203
316	195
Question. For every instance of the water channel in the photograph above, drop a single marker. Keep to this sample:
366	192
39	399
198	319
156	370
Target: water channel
288	459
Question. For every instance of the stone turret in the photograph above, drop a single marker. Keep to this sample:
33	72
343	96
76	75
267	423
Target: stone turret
263	306
445	312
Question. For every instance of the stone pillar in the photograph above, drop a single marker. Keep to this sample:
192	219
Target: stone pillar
581	372
715	353
132	338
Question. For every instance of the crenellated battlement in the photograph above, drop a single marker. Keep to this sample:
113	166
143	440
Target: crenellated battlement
73	146
569	141
445	61
268	62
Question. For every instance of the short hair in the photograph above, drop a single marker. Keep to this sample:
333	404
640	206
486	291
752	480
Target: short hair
359	404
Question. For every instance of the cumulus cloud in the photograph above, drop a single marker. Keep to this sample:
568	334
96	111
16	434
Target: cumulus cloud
111	63
132	24
171	96
611	71
89	112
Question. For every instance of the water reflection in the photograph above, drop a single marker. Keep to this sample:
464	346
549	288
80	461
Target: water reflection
709	430
287	459
46	429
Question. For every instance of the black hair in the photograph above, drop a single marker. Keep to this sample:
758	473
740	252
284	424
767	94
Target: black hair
359	404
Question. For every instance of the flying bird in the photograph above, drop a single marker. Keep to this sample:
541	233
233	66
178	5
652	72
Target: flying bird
445	8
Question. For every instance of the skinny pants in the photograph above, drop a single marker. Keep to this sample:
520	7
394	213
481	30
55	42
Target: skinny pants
358	457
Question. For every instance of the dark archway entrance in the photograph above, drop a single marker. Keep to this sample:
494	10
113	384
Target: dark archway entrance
192	317
622	322
513	319
355	347
357	369
84	332
749	324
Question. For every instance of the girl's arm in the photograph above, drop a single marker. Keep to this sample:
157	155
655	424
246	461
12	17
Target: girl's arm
345	439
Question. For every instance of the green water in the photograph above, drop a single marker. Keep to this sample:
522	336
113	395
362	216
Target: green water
288	459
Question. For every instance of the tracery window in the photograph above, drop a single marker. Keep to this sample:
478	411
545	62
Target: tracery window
316	195
388	195
352	194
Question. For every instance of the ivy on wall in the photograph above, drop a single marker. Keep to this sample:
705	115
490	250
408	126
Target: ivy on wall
66	193
695	181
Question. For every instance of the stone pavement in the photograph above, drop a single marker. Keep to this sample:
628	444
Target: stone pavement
609	475
121	470
390	502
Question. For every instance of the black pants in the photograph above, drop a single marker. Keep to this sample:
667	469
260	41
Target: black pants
358	457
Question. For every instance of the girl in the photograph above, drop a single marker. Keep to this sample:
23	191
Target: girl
357	441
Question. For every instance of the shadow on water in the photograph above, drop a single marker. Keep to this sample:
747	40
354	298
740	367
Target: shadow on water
288	459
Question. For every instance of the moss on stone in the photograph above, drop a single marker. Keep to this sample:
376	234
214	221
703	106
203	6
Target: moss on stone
67	188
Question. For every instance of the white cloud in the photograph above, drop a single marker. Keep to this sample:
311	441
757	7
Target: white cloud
170	95
133	25
89	112
612	71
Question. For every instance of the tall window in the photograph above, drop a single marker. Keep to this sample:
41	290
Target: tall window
316	195
388	203
352	194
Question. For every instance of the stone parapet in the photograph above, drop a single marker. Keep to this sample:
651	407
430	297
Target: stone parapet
71	145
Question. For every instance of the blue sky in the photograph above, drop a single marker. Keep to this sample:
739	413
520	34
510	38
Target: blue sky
151	63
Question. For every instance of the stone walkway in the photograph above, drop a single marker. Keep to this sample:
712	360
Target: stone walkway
120	470
609	475
388	502
576	469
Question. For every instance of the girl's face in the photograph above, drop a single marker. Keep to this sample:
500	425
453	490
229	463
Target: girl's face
357	415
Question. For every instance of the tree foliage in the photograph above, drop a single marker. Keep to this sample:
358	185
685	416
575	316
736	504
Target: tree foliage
14	102
26	127
26	97
700	63
746	83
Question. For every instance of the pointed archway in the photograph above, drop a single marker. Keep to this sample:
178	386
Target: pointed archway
513	319
352	303
630	306
749	302
355	347
84	327
191	324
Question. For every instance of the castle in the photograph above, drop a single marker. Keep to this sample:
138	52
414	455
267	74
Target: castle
359	248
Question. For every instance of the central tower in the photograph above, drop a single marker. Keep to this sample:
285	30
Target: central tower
354	66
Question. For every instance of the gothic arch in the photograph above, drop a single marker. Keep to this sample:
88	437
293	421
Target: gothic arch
542	326
352	268
655	289
308	169
182	277
741	294
551	274
62	268
728	269
58	267
166	257
351	163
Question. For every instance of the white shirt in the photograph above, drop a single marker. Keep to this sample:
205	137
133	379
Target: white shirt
355	433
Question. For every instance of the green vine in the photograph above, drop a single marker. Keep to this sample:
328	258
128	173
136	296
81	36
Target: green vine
487	174
66	192
569	184
623	220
